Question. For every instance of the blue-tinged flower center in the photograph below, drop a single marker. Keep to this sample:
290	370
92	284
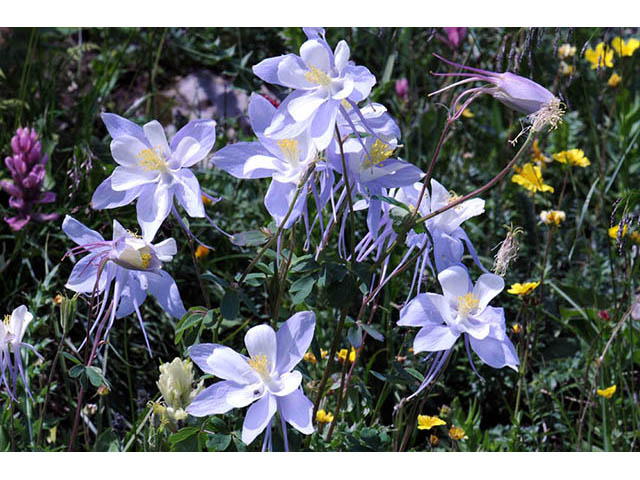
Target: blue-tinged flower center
260	365
378	154
467	303
317	76
290	150
152	159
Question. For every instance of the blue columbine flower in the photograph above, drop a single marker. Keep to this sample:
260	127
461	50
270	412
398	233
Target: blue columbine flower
12	330
323	81
131	263
462	309
265	380
153	171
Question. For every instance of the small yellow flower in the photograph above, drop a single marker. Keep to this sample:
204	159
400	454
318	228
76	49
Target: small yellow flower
566	50
607	392
310	357
523	289
434	440
57	299
323	353
625	49
614	80
53	431
574	157
201	252
342	355
324	417
516	328
425	422
552	216
457	433
206	200
538	157
530	177
613	231
565	68
600	57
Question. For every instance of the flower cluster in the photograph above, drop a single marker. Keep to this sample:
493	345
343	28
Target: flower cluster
27	168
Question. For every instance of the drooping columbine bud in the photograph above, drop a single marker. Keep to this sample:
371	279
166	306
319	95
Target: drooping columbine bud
543	108
176	386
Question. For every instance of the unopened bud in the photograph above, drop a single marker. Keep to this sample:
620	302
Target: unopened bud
68	307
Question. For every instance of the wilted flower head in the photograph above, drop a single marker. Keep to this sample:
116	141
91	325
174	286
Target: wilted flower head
27	167
542	108
12	330
508	251
176	386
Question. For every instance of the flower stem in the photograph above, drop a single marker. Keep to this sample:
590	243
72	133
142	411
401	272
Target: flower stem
349	197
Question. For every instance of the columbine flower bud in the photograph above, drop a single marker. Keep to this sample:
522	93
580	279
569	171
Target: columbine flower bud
67	312
175	385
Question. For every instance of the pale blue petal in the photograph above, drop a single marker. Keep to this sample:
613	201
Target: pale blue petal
188	193
132	294
124	178
324	123
213	400
314	52
106	197
496	353
126	151
455	282
230	365
204	131
291	73
261	113
434	338
267	69
341	55
79	233
261	340
297	410
302	107
487	287
293	339
278	199
153	207
119	126
423	310
246	160
157	138
258	417
200	353
164	288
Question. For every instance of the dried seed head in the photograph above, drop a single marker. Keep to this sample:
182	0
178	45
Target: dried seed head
508	251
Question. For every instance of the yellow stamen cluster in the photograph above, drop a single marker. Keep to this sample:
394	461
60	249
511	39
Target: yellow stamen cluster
467	303
549	115
324	417
151	159
260	364
378	154
574	157
523	288
346	105
607	392
290	149
317	76
133	234
426	422
551	217
146	260
6	320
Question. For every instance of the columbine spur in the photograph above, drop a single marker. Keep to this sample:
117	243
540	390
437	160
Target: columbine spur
154	171
265	379
131	263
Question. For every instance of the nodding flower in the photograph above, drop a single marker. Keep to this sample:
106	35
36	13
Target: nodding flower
543	108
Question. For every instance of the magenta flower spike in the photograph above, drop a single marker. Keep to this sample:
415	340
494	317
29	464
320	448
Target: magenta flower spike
455	35
541	106
27	167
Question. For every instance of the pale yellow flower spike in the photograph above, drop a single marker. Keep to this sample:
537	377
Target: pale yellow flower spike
426	422
530	177
607	392
625	49
600	57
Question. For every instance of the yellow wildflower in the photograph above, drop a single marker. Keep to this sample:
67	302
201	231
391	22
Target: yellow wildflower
457	433
552	216
625	49
523	289
324	417
426	422
310	357
566	50
466	113
342	355
614	80
323	353
613	231
530	177
516	328
201	252
600	57
53	431
574	157
607	392
57	299
538	157
206	200
434	440
565	68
